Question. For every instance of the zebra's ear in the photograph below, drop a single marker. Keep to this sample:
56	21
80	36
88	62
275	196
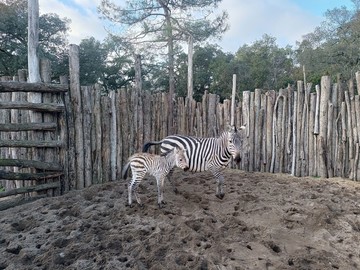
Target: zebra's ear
231	128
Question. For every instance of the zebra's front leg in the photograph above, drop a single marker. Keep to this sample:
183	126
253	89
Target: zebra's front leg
219	184
171	182
160	185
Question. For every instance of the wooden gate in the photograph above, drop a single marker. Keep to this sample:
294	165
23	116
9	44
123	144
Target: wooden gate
32	138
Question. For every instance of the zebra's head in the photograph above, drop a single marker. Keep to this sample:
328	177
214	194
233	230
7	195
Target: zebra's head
180	158
233	142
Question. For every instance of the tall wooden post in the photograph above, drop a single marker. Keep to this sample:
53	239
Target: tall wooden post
33	41
232	121
138	79
190	84
324	100
76	103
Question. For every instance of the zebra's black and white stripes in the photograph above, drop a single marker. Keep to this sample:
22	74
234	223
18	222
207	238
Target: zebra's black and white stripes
206	154
155	165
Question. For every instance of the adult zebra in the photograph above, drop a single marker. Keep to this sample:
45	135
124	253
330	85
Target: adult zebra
206	154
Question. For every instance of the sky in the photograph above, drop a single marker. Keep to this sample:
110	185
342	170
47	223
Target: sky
286	20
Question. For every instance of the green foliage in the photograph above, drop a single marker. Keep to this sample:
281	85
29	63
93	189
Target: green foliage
264	65
92	58
213	71
333	46
104	63
153	25
13	38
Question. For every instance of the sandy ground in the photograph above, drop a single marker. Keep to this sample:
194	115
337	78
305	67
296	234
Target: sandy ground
265	221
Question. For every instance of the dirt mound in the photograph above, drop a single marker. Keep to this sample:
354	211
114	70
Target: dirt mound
265	221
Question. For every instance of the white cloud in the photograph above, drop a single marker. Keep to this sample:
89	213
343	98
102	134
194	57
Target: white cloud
85	21
249	20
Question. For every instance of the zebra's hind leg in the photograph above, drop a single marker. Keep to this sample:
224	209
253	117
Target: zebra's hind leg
160	186
171	182
132	188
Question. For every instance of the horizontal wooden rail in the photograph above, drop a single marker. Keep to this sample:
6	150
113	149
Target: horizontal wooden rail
26	144
27	126
44	107
5	175
9	203
29	189
32	87
23	163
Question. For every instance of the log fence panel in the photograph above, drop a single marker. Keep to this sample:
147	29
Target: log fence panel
30	134
303	130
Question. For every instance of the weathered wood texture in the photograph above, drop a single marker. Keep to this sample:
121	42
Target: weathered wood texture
282	135
32	87
31	123
295	130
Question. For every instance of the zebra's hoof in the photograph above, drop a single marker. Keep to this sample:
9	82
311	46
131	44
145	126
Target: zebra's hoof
161	204
220	196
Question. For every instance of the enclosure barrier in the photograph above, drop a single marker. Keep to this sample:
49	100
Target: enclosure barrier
81	136
32	148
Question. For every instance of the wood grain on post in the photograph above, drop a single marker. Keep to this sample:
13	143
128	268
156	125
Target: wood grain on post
246	121
97	136
86	97
76	103
33	41
113	136
270	103
251	138
323	125
257	129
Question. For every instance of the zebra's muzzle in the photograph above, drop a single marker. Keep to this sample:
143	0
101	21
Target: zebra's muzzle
186	169
237	158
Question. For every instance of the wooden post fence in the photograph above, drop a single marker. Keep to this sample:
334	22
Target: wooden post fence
85	136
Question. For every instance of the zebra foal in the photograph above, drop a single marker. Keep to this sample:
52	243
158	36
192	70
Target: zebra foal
155	165
206	154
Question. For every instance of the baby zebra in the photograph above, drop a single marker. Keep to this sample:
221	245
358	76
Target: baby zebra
155	165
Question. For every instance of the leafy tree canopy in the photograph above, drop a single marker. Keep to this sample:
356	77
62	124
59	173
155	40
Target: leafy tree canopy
333	46
13	38
264	65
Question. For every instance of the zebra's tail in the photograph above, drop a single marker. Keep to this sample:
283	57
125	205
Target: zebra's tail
148	144
125	170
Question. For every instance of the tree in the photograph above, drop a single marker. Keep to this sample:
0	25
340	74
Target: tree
264	65
105	63
13	38
333	46
165	22
213	70
92	59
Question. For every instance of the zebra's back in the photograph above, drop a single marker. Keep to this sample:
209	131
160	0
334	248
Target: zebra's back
199	150
149	163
